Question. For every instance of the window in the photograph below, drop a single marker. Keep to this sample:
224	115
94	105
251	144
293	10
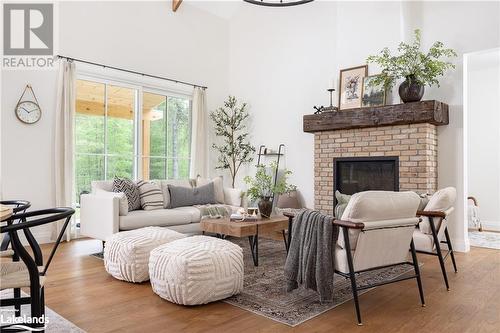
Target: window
110	142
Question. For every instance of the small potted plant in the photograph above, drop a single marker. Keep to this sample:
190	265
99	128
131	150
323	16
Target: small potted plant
417	68
262	187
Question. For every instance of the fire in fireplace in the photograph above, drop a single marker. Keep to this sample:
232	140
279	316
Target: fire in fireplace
357	174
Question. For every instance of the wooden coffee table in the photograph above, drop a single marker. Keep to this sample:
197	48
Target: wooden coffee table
252	229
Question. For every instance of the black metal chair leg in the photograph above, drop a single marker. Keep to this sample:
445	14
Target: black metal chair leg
417	272
450	248
352	276
439	253
17	307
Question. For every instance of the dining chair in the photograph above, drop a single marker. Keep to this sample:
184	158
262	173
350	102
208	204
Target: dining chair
31	271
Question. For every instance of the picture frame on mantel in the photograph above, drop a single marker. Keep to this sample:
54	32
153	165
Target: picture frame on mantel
373	95
351	86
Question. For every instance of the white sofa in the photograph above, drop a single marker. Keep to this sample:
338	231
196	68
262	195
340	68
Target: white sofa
101	216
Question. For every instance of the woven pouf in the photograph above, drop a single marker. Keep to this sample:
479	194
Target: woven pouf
126	254
196	270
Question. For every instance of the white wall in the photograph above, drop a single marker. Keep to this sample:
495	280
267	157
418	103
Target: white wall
281	61
483	127
190	45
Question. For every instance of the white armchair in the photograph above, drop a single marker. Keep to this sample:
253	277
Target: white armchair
432	231
376	232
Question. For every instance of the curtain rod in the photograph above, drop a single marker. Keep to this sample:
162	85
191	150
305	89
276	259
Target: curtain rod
130	71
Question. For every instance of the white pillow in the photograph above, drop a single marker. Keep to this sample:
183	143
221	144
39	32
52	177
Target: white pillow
218	187
123	202
232	196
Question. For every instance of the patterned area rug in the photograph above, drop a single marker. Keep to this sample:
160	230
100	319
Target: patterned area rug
490	240
55	322
264	286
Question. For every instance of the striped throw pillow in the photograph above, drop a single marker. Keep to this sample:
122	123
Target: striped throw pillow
151	195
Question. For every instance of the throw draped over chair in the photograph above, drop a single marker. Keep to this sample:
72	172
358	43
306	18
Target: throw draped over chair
31	271
377	229
432	231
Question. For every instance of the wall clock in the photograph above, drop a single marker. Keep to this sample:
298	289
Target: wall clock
28	111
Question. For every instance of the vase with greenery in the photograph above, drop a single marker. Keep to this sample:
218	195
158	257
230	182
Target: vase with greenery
263	188
230	125
416	67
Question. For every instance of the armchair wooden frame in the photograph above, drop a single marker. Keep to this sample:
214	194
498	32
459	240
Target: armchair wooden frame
432	215
346	225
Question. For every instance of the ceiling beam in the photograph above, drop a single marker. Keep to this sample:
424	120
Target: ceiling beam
176	4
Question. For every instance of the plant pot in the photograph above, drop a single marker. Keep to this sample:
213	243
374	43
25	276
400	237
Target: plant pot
265	207
411	90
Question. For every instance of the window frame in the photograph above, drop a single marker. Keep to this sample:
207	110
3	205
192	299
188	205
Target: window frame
140	87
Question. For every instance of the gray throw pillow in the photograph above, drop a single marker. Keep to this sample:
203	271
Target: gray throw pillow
131	191
342	201
185	196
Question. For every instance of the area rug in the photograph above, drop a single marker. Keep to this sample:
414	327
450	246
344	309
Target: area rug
490	240
264	286
55	322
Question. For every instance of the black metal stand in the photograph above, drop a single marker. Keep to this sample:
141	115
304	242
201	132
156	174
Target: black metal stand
439	253
278	155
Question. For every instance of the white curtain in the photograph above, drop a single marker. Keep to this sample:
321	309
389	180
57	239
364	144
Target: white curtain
199	135
64	143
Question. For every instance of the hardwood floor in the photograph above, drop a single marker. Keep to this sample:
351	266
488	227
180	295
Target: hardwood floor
79	289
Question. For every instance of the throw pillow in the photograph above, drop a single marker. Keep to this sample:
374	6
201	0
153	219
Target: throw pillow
176	182
232	196
151	195
342	201
131	191
218	187
185	196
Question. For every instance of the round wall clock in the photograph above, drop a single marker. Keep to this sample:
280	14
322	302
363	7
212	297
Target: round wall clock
29	112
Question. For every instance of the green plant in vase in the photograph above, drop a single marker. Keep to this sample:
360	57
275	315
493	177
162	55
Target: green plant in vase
262	187
416	67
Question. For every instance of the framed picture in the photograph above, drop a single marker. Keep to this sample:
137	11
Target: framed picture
373	95
350	87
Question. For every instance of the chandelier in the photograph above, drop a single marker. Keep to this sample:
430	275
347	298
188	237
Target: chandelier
278	3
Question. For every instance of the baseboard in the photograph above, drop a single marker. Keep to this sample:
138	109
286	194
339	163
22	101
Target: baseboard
490	225
459	245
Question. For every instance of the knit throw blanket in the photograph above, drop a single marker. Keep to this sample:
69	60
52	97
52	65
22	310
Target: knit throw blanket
310	260
213	211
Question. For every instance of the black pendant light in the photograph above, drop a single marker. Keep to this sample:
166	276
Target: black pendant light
278	3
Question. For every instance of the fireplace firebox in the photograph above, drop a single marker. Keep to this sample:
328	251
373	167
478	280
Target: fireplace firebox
358	174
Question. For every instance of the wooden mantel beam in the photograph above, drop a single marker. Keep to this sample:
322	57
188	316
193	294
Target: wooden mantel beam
432	112
176	4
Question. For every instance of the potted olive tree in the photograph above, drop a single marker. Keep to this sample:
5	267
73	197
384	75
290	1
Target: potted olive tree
262	187
416	67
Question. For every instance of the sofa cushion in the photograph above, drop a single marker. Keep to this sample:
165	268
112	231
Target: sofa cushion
151	195
105	185
177	182
183	196
218	187
159	217
130	189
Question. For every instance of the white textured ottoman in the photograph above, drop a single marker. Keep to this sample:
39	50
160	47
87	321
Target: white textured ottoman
196	270
126	254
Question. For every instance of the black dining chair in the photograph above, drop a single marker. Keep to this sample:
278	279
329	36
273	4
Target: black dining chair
18	206
31	271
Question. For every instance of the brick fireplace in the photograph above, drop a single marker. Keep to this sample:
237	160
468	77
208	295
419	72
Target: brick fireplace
413	143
